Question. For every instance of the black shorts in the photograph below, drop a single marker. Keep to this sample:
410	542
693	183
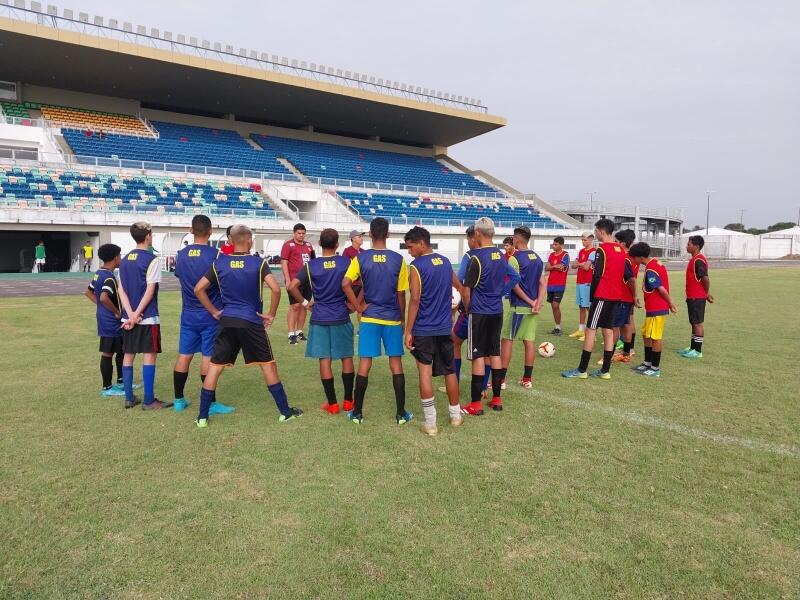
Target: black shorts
696	307
436	350
234	335
555	296
306	293
142	339
111	345
623	314
601	314
483	335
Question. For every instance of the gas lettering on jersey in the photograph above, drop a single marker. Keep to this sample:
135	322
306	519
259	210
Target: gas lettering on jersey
329	264
436	262
237	264
194	252
96	277
132	256
495	256
379	258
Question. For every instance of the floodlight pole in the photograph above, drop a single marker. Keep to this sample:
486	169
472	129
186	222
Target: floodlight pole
708	207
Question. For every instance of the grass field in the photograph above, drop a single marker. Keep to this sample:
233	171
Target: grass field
687	486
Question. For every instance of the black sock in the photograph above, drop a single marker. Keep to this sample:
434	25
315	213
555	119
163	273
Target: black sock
528	373
607	356
633	339
118	359
697	343
585	358
106	370
179	382
626	348
648	355
399	385
477	387
497	381
330	390
360	392
655	358
348	379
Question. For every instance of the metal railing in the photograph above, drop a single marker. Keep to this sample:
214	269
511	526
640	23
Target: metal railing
25	121
95	130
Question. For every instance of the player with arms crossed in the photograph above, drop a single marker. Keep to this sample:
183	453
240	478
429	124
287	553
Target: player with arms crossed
330	336
240	277
697	287
427	336
583	283
557	267
295	253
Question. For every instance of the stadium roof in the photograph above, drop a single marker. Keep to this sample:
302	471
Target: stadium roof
172	80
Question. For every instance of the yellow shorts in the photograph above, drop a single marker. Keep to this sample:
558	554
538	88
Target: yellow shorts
653	327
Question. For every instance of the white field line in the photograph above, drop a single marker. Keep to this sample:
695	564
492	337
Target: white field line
630	416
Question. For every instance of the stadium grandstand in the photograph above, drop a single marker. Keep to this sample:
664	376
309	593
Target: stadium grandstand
164	126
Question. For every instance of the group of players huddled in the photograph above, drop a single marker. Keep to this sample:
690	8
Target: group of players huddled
399	306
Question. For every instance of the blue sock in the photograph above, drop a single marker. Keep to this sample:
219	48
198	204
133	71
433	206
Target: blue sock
149	382
487	375
127	381
279	394
457	365
207	397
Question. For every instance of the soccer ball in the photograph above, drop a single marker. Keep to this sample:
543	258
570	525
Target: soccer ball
546	349
456	299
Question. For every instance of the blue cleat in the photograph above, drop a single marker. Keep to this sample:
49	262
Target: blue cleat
180	404
574	374
112	391
217	408
600	374
404	418
692	354
354	418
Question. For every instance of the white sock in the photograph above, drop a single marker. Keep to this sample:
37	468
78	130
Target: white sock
455	411
429	410
558	327
582	327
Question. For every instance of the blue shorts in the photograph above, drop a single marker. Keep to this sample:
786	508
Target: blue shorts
196	339
623	314
582	292
461	329
370	336
330	341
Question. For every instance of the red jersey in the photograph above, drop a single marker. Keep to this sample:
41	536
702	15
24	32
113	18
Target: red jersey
351	252
695	271
297	255
655	276
611	257
227	249
585	254
557	280
634	267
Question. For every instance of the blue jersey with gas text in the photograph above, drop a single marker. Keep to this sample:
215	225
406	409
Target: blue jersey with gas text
531	267
383	273
485	276
108	323
191	264
240	278
325	275
133	276
435	275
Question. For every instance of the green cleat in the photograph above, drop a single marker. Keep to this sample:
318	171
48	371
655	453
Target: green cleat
683	351
201	423
575	374
692	354
600	374
620	345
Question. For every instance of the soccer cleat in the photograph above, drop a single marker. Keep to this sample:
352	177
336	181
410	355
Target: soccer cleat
456	422
620	345
404	418
600	374
131	403
503	385
301	337
347	405
473	408
651	372
496	404
692	354
576	334
112	391
354	418
430	430
217	408
121	386
201	423
684	350
293	340
330	408
574	374
620	357
526	382
180	404
640	368
293	414
555	331
582	338
156	405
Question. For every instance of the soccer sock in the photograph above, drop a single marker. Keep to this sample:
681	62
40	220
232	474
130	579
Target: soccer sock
457	366
528	372
655	358
330	390
399	385
487	375
429	410
648	355
127	379
202	378
633	339
498	375
179	383
558	326
149	382
607	356
582	327
106	370
697	343
279	395
118	359
455	411
584	364
360	392
626	348
207	398
348	379
477	387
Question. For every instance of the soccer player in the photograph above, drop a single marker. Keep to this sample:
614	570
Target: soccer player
139	278
611	274
88	253
624	324
460	329
356	241
583	283
384	279
198	326
330	335
227	247
295	253
427	335
483	300
697	286
557	267
657	305
39	257
102	291
519	323
240	277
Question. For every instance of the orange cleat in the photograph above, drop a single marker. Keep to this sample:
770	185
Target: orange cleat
620	357
473	408
496	403
347	405
330	408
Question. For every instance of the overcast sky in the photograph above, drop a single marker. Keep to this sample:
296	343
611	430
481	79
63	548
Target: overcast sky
649	102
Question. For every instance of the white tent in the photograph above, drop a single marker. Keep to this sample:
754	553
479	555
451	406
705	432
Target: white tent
724	243
777	244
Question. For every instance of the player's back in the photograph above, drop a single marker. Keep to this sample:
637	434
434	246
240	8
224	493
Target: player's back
133	274
325	275
611	284
436	294
531	267
108	324
487	291
380	272
655	276
192	264
240	279
627	294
